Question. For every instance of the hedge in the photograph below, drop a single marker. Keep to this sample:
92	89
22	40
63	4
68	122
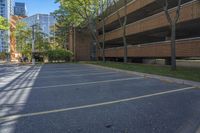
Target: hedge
59	55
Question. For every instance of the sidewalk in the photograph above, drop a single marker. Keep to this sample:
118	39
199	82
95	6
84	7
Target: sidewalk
2	62
6	63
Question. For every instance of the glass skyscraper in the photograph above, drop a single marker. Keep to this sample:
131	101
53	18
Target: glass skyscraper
44	21
6	10
20	9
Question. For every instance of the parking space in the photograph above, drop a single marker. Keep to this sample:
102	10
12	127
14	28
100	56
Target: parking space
80	98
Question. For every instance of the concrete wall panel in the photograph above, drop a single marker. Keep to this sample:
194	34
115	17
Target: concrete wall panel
184	48
189	11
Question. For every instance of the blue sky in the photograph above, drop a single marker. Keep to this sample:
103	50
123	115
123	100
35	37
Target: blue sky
39	6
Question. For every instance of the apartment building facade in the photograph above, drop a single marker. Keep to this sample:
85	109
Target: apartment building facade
6	10
148	31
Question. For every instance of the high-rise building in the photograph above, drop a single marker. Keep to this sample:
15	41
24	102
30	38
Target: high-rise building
44	21
6	10
20	9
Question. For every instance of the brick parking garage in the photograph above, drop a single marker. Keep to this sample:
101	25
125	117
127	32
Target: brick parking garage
148	31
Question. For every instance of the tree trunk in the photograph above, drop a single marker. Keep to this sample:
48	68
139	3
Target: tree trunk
123	26
103	47
125	44
124	32
103	28
173	45
74	42
173	23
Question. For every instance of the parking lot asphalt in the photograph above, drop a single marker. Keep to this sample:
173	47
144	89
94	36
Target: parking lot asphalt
77	98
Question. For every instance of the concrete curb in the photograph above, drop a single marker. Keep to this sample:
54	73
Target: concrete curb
162	78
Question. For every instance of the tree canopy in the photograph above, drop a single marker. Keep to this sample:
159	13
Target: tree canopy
80	11
83	13
23	36
3	24
73	13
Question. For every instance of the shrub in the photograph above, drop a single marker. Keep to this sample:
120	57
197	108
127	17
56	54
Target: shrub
3	55
59	55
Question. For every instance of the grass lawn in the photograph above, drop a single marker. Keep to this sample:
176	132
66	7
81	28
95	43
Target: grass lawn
181	72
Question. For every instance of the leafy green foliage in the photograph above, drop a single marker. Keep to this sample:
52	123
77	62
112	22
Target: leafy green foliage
79	11
59	55
84	13
27	51
3	24
60	30
23	36
41	41
3	55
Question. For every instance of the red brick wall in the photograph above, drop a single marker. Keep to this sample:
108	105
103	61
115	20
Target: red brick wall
81	45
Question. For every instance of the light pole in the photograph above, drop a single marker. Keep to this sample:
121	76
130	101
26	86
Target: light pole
33	44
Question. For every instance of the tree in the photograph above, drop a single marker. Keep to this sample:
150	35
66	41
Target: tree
123	23
83	13
172	19
103	5
23	37
3	24
3	55
42	43
61	28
